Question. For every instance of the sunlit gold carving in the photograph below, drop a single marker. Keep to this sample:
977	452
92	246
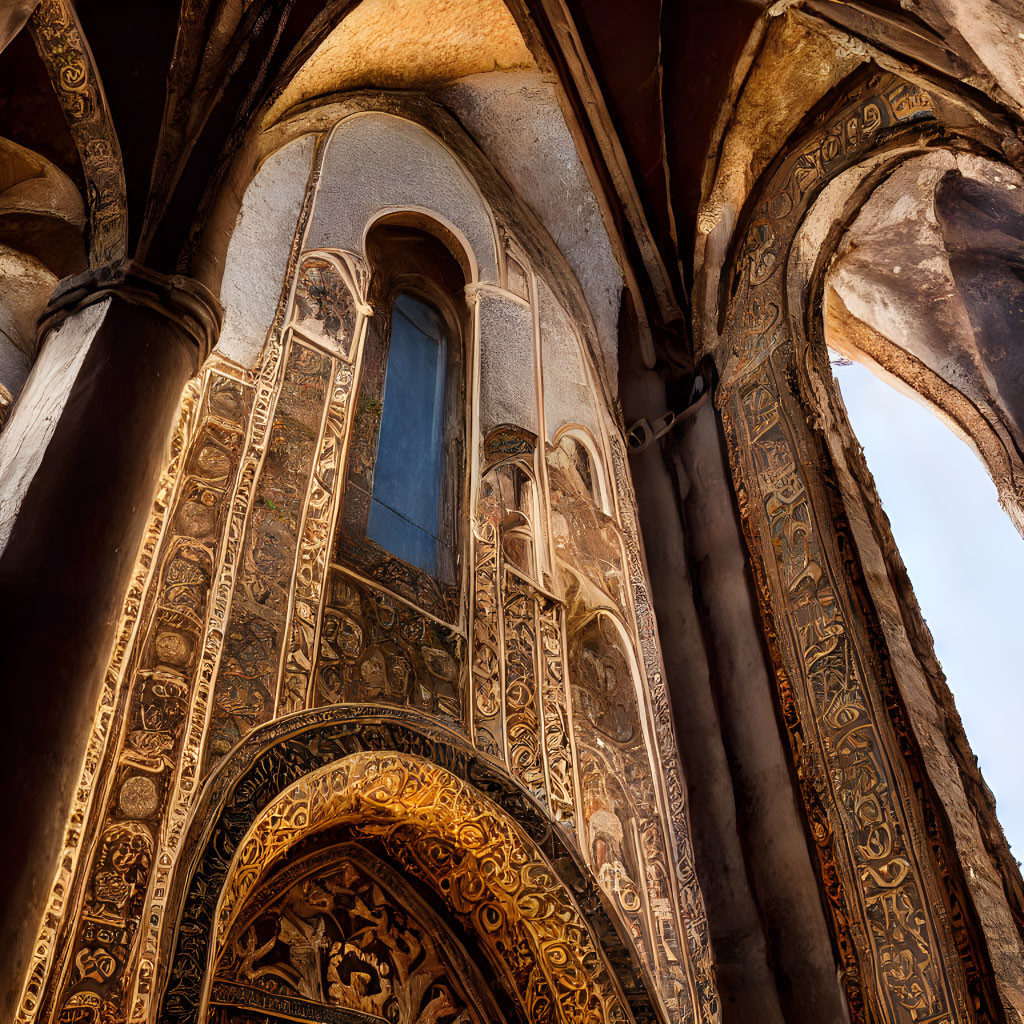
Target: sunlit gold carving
157	706
341	928
45	950
476	858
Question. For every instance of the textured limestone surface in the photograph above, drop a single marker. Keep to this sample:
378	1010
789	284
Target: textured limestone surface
377	163
257	255
516	120
507	379
408	44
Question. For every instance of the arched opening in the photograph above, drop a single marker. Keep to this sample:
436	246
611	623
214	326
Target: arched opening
963	557
405	472
337	927
461	842
920	302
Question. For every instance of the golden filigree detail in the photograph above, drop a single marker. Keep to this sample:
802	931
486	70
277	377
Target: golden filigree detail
69	63
894	934
477	859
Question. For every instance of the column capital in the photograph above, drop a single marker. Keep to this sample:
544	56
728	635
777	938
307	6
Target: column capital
183	300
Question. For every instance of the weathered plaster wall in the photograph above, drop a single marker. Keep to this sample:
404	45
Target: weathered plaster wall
988	33
376	163
507	395
568	393
931	266
516	120
257	255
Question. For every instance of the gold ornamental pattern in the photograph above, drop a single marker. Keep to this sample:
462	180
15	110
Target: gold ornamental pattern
484	867
886	894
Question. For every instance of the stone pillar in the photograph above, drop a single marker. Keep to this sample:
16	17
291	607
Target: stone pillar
80	458
890	912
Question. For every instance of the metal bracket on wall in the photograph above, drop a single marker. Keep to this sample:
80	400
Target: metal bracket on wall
642	434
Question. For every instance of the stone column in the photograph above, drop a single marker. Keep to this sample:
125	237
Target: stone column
80	458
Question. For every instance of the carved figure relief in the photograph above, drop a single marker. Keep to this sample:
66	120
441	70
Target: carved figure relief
342	929
473	856
583	536
625	838
325	306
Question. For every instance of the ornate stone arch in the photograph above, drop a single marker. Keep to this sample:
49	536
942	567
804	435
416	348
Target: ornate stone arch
603	494
879	781
435	786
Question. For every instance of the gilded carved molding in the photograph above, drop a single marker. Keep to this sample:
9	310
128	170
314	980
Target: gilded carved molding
697	936
67	882
339	928
285	752
642	859
483	865
94	975
897	909
64	51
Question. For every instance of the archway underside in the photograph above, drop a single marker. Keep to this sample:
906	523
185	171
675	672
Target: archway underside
911	943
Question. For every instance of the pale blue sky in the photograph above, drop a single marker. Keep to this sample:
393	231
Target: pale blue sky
966	562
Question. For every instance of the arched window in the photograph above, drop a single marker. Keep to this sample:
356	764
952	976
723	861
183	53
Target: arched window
510	486
404	506
405	466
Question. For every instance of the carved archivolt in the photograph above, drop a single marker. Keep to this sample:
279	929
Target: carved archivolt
897	905
479	861
69	63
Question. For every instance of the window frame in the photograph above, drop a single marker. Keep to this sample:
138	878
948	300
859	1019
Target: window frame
437	593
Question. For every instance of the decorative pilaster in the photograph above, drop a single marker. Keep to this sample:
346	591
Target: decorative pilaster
81	459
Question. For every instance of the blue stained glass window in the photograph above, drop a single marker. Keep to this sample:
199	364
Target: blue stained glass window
404	510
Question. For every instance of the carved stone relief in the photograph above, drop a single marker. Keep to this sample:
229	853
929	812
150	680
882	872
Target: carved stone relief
474	857
69	63
896	911
555	696
95	971
342	929
246	684
375	649
282	752
261	605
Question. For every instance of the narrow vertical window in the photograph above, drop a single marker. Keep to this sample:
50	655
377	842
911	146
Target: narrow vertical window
405	505
405	472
